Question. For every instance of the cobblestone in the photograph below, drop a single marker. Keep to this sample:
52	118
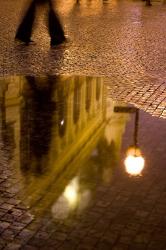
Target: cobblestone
124	42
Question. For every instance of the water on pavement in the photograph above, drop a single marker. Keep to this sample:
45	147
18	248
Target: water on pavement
64	180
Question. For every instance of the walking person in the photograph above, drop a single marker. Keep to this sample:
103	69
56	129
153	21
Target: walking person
55	28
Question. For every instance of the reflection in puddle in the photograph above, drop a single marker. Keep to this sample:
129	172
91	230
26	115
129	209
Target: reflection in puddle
63	179
72	199
61	140
61	135
134	161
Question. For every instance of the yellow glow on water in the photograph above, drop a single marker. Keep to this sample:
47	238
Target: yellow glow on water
62	122
71	192
71	195
134	164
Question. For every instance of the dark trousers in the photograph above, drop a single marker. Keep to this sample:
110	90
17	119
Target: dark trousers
55	28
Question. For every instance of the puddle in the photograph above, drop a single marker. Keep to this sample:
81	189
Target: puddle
64	145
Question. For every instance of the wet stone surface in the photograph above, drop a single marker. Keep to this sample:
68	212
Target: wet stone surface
63	183
122	40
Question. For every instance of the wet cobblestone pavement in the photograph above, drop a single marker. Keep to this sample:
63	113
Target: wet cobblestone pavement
63	184
123	40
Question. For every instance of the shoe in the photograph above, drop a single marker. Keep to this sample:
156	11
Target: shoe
55	44
24	41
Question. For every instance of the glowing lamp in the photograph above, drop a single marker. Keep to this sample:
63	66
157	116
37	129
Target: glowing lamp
134	161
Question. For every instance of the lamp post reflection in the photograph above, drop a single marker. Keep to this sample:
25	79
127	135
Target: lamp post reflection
134	161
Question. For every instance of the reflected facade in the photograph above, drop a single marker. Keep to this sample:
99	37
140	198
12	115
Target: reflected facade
63	139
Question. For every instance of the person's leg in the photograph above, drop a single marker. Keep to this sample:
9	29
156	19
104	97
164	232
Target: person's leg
55	28
24	30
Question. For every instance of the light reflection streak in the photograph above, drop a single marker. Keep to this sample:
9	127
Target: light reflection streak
71	192
72	199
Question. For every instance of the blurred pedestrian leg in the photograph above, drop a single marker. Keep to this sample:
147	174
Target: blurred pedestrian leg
148	3
24	31
55	28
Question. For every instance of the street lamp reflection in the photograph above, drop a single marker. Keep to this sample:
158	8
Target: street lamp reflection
134	161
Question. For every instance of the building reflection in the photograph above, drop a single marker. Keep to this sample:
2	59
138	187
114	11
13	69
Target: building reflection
36	123
66	138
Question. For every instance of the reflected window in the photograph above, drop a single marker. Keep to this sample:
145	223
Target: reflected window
88	93
3	90
76	102
98	89
62	111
